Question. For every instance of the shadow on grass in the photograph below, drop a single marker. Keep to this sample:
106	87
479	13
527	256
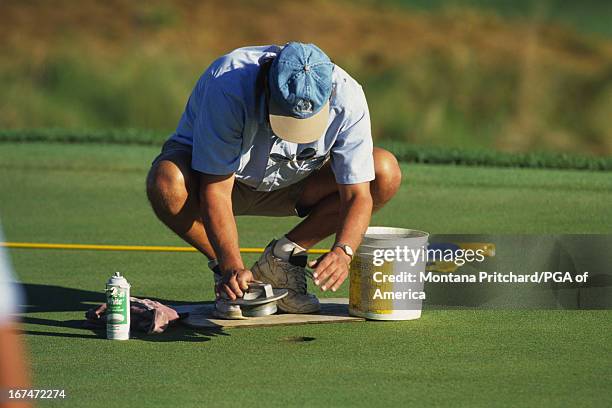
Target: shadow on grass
51	298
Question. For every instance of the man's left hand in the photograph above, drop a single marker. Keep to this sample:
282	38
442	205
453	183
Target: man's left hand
331	269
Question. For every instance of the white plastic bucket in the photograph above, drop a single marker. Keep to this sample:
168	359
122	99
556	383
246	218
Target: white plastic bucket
381	290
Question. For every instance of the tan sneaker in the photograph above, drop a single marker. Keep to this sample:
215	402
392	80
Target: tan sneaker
287	275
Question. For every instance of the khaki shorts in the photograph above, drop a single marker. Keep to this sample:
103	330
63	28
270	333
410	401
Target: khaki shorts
245	200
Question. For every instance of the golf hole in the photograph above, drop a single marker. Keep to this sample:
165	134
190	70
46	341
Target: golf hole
297	339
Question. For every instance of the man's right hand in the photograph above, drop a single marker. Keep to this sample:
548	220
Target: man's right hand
234	283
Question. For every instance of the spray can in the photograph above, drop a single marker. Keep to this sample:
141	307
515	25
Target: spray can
118	308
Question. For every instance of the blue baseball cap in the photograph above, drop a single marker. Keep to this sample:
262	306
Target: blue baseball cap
300	83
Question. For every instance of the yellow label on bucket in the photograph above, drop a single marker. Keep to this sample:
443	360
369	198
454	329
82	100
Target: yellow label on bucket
363	287
380	306
355	284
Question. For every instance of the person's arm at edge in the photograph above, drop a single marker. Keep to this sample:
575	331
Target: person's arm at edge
13	366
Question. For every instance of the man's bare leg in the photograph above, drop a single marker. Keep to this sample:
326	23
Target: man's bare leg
172	188
321	195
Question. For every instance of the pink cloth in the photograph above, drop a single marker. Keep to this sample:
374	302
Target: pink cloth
146	315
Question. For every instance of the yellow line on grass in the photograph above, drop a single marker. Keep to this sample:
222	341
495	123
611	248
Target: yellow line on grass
145	248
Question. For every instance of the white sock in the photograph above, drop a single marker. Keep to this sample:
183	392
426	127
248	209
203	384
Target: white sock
284	247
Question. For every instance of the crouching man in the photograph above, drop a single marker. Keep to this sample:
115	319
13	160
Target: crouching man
273	131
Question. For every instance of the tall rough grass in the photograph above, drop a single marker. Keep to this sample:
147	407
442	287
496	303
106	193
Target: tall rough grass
406	152
450	77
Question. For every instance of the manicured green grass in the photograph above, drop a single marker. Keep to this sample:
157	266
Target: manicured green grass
95	194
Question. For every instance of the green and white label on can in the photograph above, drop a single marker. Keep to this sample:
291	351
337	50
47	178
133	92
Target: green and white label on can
117	308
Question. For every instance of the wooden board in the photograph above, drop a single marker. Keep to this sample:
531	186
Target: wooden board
333	310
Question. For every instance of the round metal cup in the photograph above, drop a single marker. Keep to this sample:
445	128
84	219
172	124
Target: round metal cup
266	309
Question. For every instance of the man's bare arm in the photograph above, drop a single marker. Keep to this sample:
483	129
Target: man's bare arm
218	219
355	213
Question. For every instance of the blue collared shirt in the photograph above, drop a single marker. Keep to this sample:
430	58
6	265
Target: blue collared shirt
226	123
